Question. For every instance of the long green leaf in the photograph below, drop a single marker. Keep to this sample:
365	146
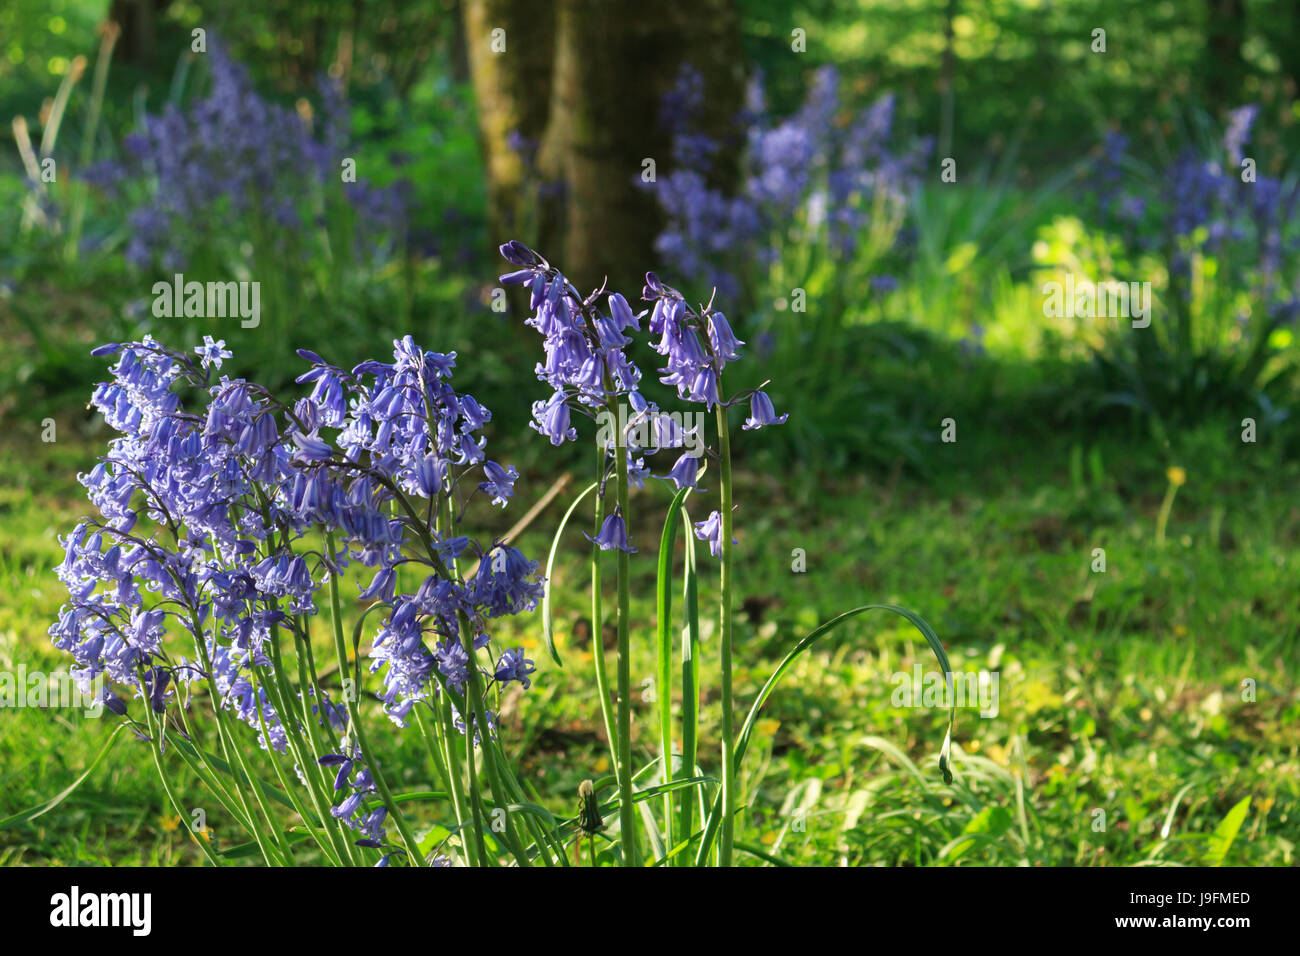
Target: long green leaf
242	778
533	809
439	795
1225	833
664	612
34	812
742	742
762	854
546	586
1173	808
240	850
690	679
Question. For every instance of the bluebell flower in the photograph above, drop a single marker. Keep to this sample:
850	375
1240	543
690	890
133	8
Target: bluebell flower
242	482
551	418
212	353
684	472
513	666
613	535
381	586
312	448
204	166
506	583
762	413
725	344
830	177
499	483
710	530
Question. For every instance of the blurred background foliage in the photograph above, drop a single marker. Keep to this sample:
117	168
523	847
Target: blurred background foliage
944	283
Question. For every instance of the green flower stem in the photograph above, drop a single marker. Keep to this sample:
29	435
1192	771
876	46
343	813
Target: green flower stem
433	745
307	677
445	517
288	703
690	687
282	696
291	791
664	661
224	797
340	647
727	837
540	841
543	835
602	675
208	774
475	795
598	620
310	677
514	792
233	755
626	808
235	759
474	850
500	794
155	745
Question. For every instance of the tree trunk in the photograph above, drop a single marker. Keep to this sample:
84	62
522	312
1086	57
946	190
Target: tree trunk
513	90
598	93
1225	68
138	20
613	65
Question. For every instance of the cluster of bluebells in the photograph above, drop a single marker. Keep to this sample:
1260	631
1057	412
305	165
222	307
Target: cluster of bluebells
202	524
354	779
832	178
588	369
195	173
1204	205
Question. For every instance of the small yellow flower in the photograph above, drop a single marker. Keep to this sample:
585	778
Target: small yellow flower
1177	476
169	823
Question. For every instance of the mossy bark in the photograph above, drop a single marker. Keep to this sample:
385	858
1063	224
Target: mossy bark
512	88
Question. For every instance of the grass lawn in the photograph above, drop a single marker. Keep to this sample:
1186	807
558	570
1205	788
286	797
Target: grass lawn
1136	708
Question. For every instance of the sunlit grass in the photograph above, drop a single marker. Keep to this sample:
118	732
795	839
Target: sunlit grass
1119	692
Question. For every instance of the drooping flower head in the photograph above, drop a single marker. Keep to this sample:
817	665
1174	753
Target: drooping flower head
587	367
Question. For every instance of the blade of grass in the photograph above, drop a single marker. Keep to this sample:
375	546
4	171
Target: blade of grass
742	742
690	681
1225	833
664	646
547	630
25	816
